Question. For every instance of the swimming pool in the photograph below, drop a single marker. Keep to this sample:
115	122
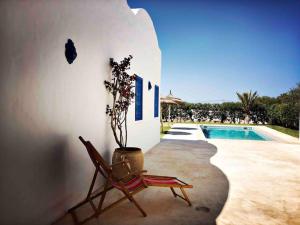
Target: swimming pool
232	132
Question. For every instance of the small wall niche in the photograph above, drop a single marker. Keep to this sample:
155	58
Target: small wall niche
70	51
149	85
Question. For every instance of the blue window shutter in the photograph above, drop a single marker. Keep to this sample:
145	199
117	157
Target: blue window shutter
138	98
156	101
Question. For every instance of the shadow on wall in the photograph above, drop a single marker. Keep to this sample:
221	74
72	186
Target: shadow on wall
109	142
53	162
189	161
34	172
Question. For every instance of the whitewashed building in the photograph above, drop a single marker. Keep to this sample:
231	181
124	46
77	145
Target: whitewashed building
46	103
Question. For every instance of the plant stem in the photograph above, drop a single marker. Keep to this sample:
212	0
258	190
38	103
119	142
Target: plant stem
126	128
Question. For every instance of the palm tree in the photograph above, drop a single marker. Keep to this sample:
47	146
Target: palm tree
248	100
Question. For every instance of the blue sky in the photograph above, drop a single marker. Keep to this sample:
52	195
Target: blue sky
212	49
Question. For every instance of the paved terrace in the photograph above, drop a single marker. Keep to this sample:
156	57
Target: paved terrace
235	183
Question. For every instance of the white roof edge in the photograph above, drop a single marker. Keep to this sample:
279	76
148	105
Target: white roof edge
135	11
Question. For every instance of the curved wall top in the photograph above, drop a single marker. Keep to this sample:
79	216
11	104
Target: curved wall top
143	15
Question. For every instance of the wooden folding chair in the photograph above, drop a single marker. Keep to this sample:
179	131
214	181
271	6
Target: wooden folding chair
132	183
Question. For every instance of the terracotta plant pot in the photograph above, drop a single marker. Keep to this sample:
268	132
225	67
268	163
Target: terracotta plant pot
135	157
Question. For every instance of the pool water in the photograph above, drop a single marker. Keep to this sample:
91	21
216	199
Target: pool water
230	132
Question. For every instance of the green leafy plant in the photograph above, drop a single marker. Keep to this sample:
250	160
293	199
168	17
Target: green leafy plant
248	100
121	88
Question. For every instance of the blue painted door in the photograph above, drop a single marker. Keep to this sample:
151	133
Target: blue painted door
138	98
156	101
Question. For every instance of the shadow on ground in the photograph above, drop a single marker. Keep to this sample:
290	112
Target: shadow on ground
190	162
178	133
184	128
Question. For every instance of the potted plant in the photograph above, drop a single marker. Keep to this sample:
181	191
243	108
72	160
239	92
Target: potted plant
121	88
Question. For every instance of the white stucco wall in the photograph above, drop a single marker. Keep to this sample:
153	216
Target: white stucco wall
47	103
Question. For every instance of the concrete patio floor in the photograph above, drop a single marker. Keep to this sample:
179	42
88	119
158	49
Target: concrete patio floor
235	182
264	179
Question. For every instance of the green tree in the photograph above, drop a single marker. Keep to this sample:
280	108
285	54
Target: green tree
248	100
266	100
285	111
259	113
232	109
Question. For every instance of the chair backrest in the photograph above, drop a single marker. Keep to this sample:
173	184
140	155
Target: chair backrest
100	164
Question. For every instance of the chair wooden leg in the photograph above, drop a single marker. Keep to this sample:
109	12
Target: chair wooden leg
92	184
130	198
103	196
88	197
185	196
173	191
93	205
139	207
78	205
76	221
